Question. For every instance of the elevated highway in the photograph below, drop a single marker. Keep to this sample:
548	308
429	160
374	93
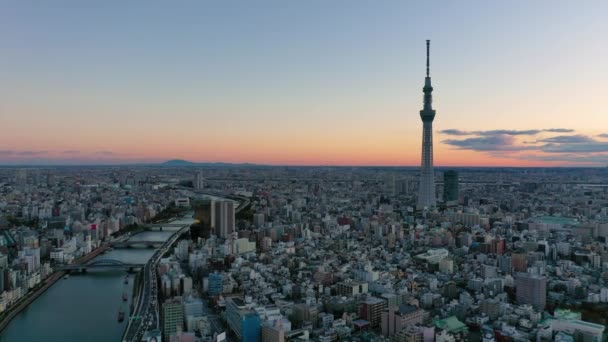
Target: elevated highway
145	315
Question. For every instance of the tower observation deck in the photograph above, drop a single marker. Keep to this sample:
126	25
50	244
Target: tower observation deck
426	194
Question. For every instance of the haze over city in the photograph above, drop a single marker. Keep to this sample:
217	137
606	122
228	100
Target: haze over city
303	83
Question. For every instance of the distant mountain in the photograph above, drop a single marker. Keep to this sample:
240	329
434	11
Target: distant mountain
181	162
178	162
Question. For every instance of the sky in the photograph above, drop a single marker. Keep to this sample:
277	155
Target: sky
517	83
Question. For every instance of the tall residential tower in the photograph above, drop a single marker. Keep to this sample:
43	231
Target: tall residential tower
426	195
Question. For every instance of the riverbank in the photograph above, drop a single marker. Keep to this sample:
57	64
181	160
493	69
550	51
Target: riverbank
49	281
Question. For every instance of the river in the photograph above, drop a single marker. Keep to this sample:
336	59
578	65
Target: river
83	307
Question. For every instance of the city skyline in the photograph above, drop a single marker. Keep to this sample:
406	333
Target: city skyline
259	84
271	171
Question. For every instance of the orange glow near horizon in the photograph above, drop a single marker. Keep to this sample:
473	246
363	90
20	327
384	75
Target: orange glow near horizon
257	83
299	150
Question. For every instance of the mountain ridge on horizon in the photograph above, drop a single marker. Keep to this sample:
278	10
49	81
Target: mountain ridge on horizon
187	163
183	162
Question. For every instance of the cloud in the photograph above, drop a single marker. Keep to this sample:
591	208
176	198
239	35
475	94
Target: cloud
457	132
568	139
559	130
71	152
603	135
587	158
6	152
500	142
31	153
105	153
588	147
509	132
568	148
573	144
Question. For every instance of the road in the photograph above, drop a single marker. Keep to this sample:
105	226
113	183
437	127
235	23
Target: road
146	313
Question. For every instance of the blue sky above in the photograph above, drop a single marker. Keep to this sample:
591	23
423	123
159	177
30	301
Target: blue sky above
90	76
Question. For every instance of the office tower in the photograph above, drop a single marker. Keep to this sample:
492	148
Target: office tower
273	332
396	319
371	310
204	212
491	307
351	288
193	307
173	317
519	262
446	266
50	179
258	219
505	263
450	186
216	284
199	181
182	250
488	271
224	218
21	177
3	272
426	192
531	289
244	322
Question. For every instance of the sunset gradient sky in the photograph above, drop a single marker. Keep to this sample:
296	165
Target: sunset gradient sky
517	83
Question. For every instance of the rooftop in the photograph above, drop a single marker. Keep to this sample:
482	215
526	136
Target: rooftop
405	309
450	324
564	221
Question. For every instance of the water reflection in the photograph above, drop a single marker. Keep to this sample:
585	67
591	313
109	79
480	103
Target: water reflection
83	307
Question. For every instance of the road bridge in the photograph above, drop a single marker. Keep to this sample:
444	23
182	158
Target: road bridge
135	244
167	227
101	264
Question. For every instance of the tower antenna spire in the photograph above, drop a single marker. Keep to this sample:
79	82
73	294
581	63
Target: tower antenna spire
428	49
426	192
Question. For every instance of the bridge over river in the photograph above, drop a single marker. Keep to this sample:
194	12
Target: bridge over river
102	264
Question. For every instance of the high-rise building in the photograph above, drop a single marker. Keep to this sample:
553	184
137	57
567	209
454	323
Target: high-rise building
199	181
258	219
306	313
21	177
273	332
224	218
531	289
426	192
173	317
371	310
216	283
204	212
193	307
519	261
245	323
397	319
182	249
450	187
351	288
